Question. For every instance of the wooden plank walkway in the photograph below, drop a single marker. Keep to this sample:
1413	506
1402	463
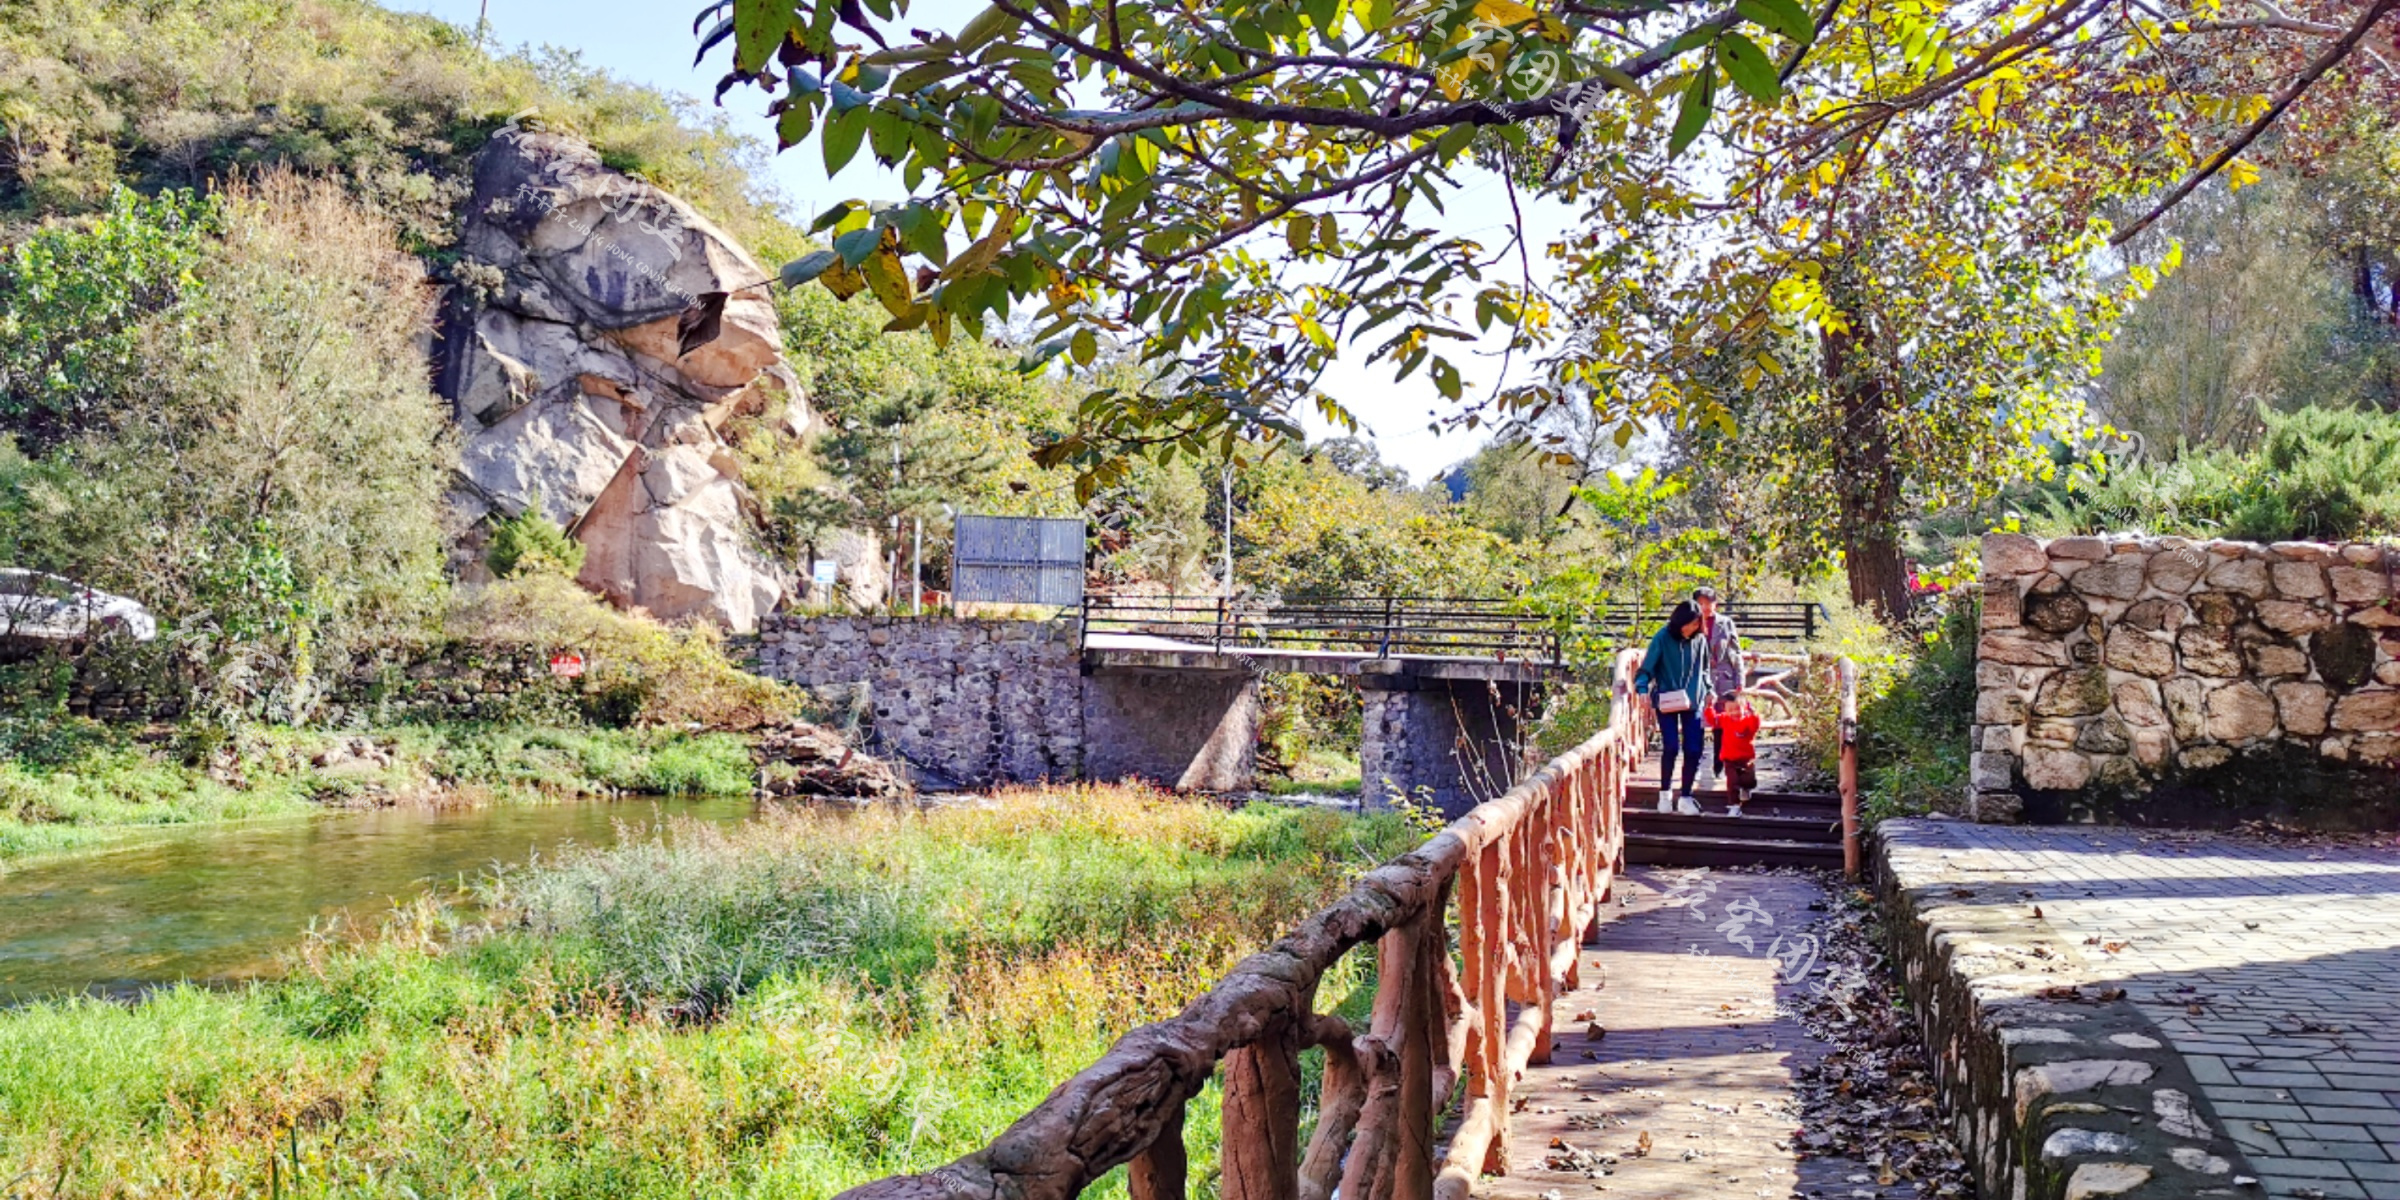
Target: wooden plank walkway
1698	1053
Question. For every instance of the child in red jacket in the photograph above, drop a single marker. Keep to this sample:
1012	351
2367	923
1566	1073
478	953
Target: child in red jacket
1737	724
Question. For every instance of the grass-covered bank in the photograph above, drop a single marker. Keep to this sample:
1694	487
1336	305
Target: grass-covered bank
68	785
786	1009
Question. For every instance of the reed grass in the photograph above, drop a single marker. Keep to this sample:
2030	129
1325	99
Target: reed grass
784	1009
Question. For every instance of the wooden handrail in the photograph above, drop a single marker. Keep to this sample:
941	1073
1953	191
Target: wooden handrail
1527	872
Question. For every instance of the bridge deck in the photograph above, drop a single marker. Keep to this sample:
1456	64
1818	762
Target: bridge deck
1702	1055
1142	651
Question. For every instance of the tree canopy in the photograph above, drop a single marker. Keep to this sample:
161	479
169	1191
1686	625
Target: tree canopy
1249	186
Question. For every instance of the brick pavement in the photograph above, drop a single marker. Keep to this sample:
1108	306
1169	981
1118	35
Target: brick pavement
2273	969
1696	1054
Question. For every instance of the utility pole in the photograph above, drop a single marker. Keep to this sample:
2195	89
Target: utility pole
916	571
1229	531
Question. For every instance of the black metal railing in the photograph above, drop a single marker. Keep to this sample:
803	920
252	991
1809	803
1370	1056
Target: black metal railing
1769	621
1384	626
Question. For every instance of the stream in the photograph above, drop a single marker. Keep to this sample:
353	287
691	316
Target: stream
215	903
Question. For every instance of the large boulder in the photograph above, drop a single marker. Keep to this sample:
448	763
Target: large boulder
602	334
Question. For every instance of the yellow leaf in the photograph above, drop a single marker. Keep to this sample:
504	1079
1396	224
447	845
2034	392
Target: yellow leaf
2240	173
887	276
1505	12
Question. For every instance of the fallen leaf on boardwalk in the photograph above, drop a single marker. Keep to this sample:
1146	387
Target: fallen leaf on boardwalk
1594	1031
1641	1145
2194	1009
1587	1015
2112	993
2064	991
2037	912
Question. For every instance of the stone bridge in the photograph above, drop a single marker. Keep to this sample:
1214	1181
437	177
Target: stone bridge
990	701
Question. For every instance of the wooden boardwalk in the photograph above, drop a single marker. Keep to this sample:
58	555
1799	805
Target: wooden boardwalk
1697	1055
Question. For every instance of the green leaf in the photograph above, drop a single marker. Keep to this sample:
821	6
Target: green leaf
758	28
1783	16
1698	98
792	127
1750	69
1084	348
870	77
842	135
856	245
1453	141
808	267
846	97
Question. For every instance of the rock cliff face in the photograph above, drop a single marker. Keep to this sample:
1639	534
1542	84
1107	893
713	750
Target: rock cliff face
604	334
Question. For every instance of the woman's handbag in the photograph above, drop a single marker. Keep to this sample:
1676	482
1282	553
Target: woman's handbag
1676	701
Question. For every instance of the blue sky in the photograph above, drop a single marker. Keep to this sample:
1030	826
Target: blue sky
651	42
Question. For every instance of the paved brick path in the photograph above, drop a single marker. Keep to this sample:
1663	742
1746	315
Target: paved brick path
2273	969
1696	1054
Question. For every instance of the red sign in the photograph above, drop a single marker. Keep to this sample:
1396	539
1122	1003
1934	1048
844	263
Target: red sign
566	666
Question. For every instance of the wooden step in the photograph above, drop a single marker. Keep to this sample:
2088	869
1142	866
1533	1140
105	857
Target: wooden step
1749	827
1675	850
1765	803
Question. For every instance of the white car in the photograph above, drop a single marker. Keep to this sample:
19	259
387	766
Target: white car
36	605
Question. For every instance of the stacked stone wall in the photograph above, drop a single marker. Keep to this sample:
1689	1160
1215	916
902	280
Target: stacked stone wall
2173	679
980	701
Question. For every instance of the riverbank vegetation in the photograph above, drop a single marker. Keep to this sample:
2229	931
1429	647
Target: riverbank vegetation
784	1009
71	784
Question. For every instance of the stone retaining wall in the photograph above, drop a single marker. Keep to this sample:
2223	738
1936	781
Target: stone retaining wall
2056	1087
2168	679
982	701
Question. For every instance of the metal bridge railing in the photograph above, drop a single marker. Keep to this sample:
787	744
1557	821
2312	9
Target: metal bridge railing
1384	626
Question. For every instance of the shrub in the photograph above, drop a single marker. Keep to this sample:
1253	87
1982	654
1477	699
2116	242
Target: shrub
638	670
2319	474
531	541
1915	722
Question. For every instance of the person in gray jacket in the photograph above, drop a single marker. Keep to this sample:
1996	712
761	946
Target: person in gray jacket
1721	650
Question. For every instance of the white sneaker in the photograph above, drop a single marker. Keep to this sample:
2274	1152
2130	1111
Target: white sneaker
1666	803
1734	811
1687	806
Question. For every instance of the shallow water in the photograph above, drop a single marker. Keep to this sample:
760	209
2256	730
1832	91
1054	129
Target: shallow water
215	903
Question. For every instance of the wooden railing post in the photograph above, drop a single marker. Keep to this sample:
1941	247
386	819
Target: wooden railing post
1159	1173
1846	678
1261	1154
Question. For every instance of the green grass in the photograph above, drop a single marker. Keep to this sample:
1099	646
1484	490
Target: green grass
786	1009
71	785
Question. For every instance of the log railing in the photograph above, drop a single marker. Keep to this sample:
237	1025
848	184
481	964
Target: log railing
1527	874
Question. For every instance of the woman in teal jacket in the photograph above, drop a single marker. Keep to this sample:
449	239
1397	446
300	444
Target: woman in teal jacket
1677	661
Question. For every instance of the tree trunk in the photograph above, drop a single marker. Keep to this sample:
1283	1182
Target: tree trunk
1866	479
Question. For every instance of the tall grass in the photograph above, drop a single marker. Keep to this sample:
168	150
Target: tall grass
786	1009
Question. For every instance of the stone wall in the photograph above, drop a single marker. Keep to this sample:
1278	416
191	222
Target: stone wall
2170	679
977	701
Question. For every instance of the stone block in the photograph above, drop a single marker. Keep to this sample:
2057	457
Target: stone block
2297	580
2138	703
2307	552
2075	693
1999	708
2208	650
2357	585
2056	770
1988	771
2274	659
2241	576
2175	571
2021	650
2240	711
2138	652
2012	554
1997	738
2184	696
2107	735
2203	758
2388	673
2302	707
1996	808
2056	612
2076	549
2221	608
2157	615
2293	618
2370	710
2002	604
2344	654
2051	731
2361	554
2116	580
1995	675
2151	747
